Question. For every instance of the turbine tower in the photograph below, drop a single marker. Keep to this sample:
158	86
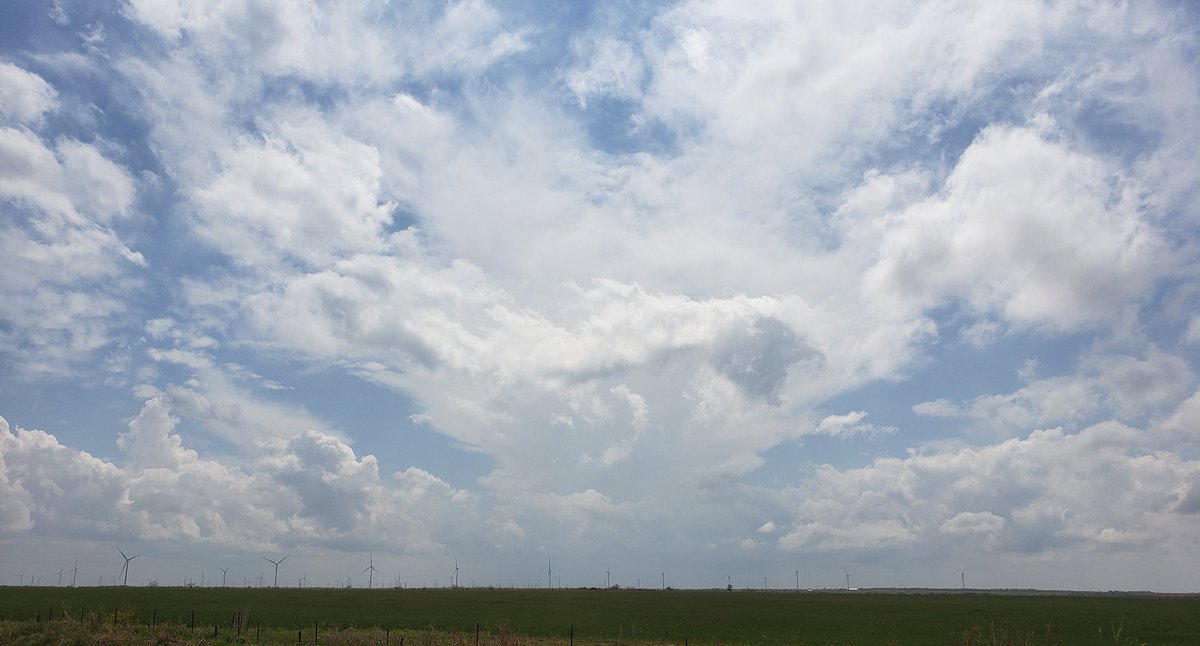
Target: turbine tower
304	579
664	579
549	575
847	578
224	571
797	580
370	572
125	568
74	572
60	572
456	573
276	563
608	578
963	575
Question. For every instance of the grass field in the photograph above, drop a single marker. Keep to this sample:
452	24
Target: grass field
628	616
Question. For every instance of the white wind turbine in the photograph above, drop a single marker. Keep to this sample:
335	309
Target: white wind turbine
125	568
370	572
74	572
963	575
224	571
276	563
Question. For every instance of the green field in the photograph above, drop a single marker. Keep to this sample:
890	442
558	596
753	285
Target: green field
643	616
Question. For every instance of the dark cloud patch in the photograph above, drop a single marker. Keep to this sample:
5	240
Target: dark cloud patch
758	358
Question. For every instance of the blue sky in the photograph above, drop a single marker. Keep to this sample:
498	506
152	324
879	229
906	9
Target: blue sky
716	289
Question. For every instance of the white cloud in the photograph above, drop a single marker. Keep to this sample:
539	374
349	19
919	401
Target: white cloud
1044	493
25	97
302	193
1025	229
849	424
1116	385
67	272
608	68
353	44
307	491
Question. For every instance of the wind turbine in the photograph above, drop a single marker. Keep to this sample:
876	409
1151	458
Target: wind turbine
963	575
60	573
277	567
549	575
370	571
608	578
664	580
797	580
224	571
125	568
304	579
847	578
74	572
455	573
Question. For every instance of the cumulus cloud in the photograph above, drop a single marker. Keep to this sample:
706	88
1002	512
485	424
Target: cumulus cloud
1103	385
311	490
25	97
1041	493
67	271
1026	229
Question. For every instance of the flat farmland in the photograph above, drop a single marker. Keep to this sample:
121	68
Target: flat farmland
630	616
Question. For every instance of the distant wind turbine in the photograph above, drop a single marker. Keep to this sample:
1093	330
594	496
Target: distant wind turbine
963	575
370	572
125	568
608	578
60	574
276	563
549	575
224	571
664	580
455	573
847	578
304	579
74	572
797	580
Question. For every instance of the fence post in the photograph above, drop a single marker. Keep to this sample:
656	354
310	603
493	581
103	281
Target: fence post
193	624
477	633
257	632
572	635
314	633
154	617
114	616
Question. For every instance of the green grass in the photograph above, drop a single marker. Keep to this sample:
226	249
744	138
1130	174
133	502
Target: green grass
606	616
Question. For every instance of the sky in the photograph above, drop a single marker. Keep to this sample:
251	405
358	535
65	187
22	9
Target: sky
638	293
